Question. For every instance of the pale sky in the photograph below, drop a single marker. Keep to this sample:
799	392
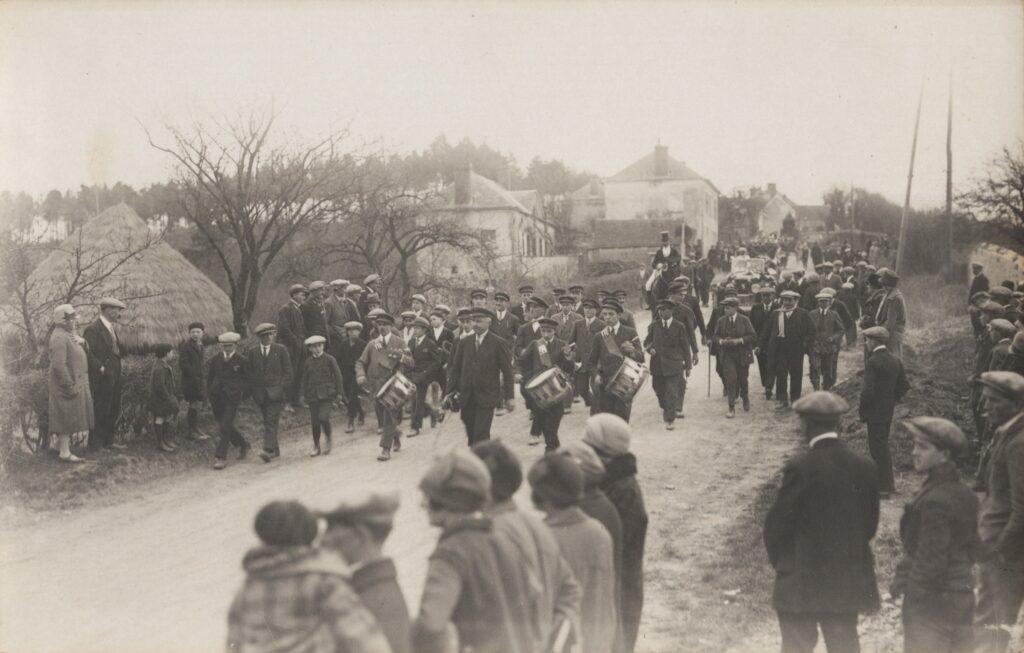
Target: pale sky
807	95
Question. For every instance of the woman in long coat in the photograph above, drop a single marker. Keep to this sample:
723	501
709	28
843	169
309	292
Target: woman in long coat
70	407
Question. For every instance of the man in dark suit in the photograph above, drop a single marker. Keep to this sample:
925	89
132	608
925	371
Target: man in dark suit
350	303
818	535
528	332
291	332
576	291
979	282
541	355
583	339
481	372
522	309
314	312
610	348
347	352
682	292
787	340
734	336
228	379
760	316
427	358
271	369
105	373
884	384
506	323
668	343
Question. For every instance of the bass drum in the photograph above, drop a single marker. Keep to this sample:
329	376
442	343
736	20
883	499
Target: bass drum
548	388
628	380
396	391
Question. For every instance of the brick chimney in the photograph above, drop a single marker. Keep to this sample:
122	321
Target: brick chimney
771	189
660	160
463	185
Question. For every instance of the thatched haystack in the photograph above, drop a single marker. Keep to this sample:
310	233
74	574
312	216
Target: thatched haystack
163	291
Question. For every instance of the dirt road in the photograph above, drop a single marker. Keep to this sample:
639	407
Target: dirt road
157	571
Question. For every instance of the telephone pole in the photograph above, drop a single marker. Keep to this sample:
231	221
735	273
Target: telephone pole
901	249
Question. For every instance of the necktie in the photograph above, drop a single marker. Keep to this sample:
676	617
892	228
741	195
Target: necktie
782	324
266	352
665	323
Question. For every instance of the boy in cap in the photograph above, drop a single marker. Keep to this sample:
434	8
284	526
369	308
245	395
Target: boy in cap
479	360
228	378
357	529
475	581
556	481
818	534
559	599
105	353
296	597
321	383
668	343
611	346
940	542
427	366
541	355
291	331
191	360
734	338
1001	515
272	372
349	350
163	400
829	332
528	332
609	436
885	384
382	357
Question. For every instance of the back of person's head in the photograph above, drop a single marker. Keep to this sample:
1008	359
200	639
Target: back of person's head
161	350
557	480
285	523
506	472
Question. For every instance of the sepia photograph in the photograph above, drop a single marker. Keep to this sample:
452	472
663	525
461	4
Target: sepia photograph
497	326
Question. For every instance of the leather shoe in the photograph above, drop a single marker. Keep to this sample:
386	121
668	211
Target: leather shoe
243	450
267	456
327	445
669	426
746	404
314	452
396	446
220	463
385	454
731	413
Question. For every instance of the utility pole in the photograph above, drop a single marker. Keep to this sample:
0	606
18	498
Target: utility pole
901	249
947	263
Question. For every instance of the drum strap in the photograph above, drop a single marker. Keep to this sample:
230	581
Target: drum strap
609	342
545	356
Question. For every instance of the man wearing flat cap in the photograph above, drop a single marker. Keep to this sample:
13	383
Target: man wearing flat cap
668	343
940	542
475	581
228	378
829	332
892	311
105	354
787	339
1001	515
371	286
271	369
611	346
991	312
481	372
760	315
381	358
979	282
885	384
818	534
1002	332
291	332
314	312
734	339
427	366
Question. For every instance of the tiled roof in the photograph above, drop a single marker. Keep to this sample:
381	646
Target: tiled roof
643	170
485	194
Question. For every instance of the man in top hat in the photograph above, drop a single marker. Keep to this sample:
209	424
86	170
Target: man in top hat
481	372
787	339
892	311
829	332
271	369
1001	515
382	357
611	346
291	332
818	534
576	291
521	309
542	354
228	378
885	383
760	315
734	338
105	354
427	366
506	323
668	343
583	339
979	282
667	256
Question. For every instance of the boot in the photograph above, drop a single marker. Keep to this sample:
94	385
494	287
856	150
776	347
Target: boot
327	438
350	427
169	437
385	454
193	425
161	438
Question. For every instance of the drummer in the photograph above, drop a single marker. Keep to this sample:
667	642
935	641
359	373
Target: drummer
611	346
541	355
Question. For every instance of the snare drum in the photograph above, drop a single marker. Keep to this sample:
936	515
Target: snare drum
628	380
396	391
548	388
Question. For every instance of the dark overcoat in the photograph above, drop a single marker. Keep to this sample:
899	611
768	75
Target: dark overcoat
885	383
623	490
376	583
271	374
482	374
163	401
190	364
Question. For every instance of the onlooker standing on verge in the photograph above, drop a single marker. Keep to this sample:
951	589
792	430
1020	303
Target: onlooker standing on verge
70	404
885	383
892	311
608	435
940	541
818	535
163	400
191	362
105	373
271	367
291	328
1001	516
557	483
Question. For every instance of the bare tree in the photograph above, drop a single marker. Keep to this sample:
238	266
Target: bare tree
248	198
997	200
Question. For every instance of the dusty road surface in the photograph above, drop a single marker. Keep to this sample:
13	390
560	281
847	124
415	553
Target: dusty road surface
156	569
